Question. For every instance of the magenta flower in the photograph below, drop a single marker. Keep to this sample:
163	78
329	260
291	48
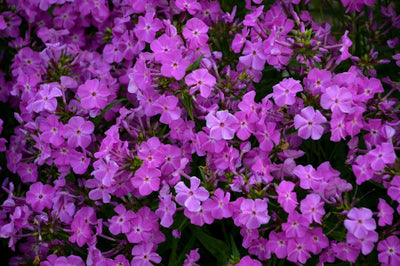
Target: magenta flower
366	244
202	81
394	189
45	99
78	132
173	65
27	172
345	251
219	204
385	213
168	107
389	251
166	210
267	134
121	222
285	92
222	125
52	130
191	258
195	33
248	261
337	99
254	56
316	241
296	225
286	197
381	156
191	6
253	213
147	180
93	94
144	254
308	123
277	243
360	222
298	250
40	196
147	27
312	208
191	197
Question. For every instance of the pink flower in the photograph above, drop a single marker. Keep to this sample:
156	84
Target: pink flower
394	189
166	210
78	132
190	5
195	33
385	213
168	107
285	92
147	180
191	197
248	261
253	55
202	81
312	208
296	225
286	197
381	156
337	99
52	130
93	94
366	244
121	222
147	27
219	204
191	258
389	251
45	98
360	222
308	123
173	65
277	243
253	213
40	196
222	125
298	250
144	254
345	251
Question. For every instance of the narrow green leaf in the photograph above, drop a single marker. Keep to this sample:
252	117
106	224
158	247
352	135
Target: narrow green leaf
215	246
98	118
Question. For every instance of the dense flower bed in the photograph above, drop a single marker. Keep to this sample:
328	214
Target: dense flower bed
140	132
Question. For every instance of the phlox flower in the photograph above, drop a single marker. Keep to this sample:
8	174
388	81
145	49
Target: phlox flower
381	156
253	213
253	55
296	225
309	123
312	208
40	196
195	33
191	6
78	132
394	189
366	244
385	213
147	180
121	223
93	94
166	210
52	130
284	93
248	261
144	254
360	222
389	251
199	217
345	252
202	80
222	125
219	204
147	27
259	247
338	99
173	65
191	197
277	243
286	197
316	241
298	250
45	98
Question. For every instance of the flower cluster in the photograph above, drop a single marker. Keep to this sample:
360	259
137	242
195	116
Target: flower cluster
197	131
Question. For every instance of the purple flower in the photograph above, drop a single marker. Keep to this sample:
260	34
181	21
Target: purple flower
121	222
191	197
285	92
147	180
338	99
78	132
222	125
308	123
195	33
253	213
312	208
202	81
360	222
286	197
45	98
40	196
93	94
147	27
144	254
389	251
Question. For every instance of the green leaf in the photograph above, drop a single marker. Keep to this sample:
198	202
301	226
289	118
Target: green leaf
195	64
187	102
96	121
215	246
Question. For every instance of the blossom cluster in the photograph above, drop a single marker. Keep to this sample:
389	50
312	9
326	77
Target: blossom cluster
197	131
